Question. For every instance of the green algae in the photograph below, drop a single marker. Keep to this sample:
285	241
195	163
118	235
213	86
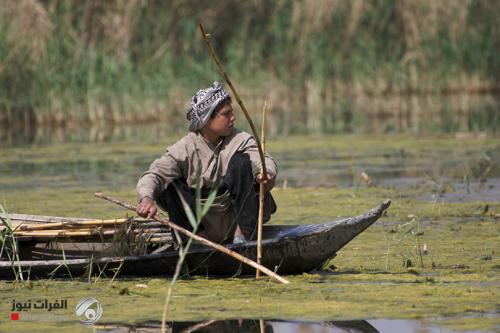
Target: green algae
312	297
367	279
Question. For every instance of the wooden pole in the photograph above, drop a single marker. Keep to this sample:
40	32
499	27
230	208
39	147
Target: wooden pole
65	233
202	240
91	230
256	136
261	195
236	96
70	224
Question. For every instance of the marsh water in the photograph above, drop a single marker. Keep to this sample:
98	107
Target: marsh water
429	265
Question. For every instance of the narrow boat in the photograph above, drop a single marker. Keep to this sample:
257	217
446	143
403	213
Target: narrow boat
286	249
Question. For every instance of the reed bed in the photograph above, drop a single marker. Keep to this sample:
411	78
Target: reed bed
321	65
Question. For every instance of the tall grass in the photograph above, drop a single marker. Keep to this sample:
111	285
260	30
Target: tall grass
320	64
194	218
8	244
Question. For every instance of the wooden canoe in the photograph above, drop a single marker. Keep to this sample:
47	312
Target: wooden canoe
286	249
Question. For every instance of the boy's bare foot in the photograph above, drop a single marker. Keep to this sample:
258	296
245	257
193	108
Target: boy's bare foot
238	238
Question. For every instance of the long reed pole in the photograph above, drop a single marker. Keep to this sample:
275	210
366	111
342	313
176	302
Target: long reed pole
236	96
76	224
200	239
252	126
261	195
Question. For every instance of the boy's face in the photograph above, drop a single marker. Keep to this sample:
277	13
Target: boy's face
223	122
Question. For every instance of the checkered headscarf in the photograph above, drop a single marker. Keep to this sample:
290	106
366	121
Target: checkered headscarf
203	104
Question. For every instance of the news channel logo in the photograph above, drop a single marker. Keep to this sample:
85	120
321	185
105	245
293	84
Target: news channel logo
88	310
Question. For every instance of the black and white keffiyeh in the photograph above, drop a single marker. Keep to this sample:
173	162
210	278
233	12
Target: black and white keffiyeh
203	104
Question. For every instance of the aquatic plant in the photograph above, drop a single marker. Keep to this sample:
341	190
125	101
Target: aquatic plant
65	265
8	243
201	209
401	233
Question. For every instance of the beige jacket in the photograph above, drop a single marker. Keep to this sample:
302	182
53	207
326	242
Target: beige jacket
184	159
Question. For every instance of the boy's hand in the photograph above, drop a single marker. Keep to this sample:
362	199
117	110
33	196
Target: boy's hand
268	182
146	208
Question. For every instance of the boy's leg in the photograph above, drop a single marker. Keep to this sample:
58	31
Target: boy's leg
240	181
170	202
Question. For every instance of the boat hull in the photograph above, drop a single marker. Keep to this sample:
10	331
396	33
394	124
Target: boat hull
290	250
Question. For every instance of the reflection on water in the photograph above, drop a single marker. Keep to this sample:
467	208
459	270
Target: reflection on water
279	326
22	136
439	113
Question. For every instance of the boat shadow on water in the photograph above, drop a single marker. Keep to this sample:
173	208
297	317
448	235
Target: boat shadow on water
243	326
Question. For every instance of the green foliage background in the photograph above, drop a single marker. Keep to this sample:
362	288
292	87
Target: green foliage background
136	61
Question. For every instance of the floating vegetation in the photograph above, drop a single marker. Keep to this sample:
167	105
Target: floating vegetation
458	238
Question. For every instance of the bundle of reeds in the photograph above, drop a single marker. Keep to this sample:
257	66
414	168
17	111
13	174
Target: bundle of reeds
62	229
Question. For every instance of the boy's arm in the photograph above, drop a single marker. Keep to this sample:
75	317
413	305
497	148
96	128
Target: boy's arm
154	181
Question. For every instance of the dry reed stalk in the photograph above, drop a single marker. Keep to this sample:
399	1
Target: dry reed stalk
87	229
236	96
254	131
367	179
64	233
262	326
80	224
261	195
199	326
52	232
202	240
158	240
90	234
30	29
355	15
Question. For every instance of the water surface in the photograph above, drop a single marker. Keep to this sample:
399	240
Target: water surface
445	193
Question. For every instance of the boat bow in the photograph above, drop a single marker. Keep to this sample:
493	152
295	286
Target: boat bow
343	230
